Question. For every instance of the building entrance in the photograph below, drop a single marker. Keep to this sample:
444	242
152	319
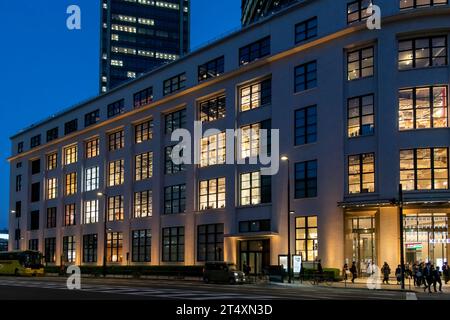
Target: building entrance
256	254
363	229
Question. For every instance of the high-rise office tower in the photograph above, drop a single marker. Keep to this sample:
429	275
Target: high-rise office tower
252	10
139	35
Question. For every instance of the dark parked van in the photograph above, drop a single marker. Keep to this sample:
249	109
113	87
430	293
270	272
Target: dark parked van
223	272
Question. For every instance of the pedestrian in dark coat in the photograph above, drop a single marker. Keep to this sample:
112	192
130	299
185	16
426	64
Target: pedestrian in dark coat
446	272
354	271
428	276
437	279
386	271
415	270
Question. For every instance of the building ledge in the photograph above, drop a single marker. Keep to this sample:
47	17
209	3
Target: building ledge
249	235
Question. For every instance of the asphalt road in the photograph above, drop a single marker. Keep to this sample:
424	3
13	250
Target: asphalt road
129	289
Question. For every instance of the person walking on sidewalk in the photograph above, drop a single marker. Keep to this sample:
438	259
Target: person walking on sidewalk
437	279
386	271
446	272
345	272
398	274
428	277
354	271
415	270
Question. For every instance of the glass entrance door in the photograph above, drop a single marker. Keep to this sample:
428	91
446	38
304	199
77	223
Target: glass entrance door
364	243
256	254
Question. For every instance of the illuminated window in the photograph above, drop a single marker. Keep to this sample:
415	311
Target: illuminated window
144	131
69	249
52	188
175	120
116	173
305	77
421	108
51	218
92	148
212	194
52	161
142	246
306	179
143	204
306	30
357	10
116	140
254	51
92	179
306	125
143	166
213	109
306	238
210	242
360	114
115	208
360	63
213	150
169	166
361	173
422	52
143	98
115	247
69	214
174	84
256	95
90	212
251	139
412	4
71	184
173	244
255	188
211	69
175	199
90	243
70	155
424	169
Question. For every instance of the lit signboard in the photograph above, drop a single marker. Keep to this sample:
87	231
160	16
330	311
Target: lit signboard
414	246
297	264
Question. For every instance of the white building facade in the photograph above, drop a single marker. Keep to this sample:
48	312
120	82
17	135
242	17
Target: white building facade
359	112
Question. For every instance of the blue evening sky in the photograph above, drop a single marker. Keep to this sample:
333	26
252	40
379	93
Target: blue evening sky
44	67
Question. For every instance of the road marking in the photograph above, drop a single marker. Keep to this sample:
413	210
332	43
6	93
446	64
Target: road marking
411	296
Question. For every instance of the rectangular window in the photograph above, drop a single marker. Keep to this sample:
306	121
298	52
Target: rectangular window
360	63
306	125
116	140
254	51
255	188
35	166
306	30
254	226
306	238
256	95
52	134
70	155
35	192
143	164
175	120
175	84
360	116
213	150
115	208
424	169
143	131
210	242
91	118
35	141
421	108
69	215
212	194
306	179
92	179
92	148
50	250
142	246
90	212
18	209
34	220
90	243
211	69
251	139
173	244
20	147
70	126
413	4
305	77
213	109
175	199
116	173
71	184
143	204
52	188
422	52
361	173
33	244
19	183
51	218
169	166
143	98
115	247
69	249
116	108
52	161
357	10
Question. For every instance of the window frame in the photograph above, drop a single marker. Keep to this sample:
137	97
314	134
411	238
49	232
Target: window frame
361	173
302	79
217	66
307	30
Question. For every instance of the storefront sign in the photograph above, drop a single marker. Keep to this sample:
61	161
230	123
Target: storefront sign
440	241
414	246
297	264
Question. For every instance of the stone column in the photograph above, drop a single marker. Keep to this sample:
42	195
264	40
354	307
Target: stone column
389	237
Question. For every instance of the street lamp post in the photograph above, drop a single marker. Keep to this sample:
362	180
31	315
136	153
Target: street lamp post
402	248
286	159
105	241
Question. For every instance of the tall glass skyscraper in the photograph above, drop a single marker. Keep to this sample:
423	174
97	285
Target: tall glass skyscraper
252	10
140	35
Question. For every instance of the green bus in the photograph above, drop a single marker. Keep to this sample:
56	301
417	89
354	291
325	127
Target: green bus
21	263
